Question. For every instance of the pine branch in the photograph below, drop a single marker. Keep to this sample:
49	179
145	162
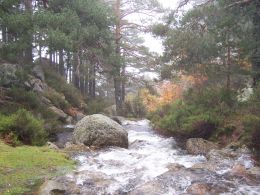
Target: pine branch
240	3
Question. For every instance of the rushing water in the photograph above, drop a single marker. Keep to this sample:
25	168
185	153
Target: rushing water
148	158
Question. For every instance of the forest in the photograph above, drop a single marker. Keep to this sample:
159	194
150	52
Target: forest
62	61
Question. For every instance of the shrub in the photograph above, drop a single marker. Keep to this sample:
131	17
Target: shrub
28	99
202	125
134	105
25	126
188	121
95	106
253	104
252	131
57	99
219	100
6	123
199	114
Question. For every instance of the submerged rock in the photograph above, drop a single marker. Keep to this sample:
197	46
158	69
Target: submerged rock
100	131
70	147
238	170
199	189
181	179
197	146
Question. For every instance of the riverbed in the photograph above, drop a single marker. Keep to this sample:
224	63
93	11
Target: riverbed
154	164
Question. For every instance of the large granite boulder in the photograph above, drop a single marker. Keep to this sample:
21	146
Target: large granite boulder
199	146
100	131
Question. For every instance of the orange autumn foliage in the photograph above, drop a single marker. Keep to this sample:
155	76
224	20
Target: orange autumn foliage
169	91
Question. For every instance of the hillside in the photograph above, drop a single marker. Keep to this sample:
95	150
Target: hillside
40	91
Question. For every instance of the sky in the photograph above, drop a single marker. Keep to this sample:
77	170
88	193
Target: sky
169	3
155	44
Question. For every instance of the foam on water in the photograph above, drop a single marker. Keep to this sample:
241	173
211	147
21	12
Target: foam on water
148	156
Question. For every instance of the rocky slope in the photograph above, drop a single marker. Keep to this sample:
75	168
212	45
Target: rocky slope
20	88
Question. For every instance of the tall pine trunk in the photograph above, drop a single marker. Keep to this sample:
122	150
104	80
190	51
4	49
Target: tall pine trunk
4	33
61	64
92	78
123	80
28	52
228	67
117	73
76	70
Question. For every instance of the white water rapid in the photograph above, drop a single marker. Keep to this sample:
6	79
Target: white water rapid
146	163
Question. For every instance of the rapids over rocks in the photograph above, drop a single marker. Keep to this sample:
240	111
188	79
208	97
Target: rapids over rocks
156	165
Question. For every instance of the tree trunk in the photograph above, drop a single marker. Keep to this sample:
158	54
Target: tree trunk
68	65
92	79
4	32
87	81
40	53
117	68
228	66
61	64
56	62
118	100
76	70
28	52
82	85
50	57
123	80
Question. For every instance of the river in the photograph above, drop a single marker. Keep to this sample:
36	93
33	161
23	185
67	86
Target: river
154	164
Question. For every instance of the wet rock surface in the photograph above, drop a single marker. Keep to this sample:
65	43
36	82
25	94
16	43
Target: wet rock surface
197	146
155	165
59	186
100	131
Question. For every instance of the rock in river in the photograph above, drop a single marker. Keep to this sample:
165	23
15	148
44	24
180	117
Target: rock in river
197	146
100	131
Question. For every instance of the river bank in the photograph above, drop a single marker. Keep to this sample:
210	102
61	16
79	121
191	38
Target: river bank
23	169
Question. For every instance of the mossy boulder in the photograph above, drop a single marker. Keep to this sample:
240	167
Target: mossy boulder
100	131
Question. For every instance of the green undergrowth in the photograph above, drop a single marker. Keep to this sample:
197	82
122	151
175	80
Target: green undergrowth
23	169
199	114
23	127
58	83
214	114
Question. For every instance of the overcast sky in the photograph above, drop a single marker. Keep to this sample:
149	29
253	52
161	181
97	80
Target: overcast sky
169	3
154	44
